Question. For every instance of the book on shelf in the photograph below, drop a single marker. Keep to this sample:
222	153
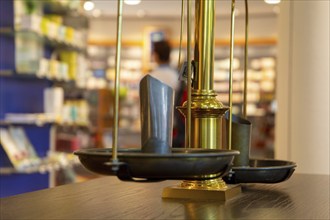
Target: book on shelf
18	148
23	143
15	155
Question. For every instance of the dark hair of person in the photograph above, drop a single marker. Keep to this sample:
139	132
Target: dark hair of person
162	49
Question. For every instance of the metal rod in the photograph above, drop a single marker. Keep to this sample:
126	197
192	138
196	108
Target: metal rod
117	76
188	130
205	43
246	58
197	30
181	31
232	32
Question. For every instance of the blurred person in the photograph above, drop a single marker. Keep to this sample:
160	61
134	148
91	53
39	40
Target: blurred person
170	76
164	72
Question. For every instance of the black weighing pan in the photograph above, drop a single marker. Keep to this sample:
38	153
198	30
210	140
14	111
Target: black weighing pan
247	170
180	163
262	171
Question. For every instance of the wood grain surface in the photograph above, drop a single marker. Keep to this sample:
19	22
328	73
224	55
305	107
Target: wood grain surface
300	197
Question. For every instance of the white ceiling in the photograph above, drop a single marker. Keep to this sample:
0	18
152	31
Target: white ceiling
172	8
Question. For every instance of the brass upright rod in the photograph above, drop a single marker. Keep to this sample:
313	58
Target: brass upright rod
117	76
246	58
188	130
203	112
205	44
181	31
232	32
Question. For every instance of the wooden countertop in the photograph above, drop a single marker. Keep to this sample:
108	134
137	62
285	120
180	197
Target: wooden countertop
300	197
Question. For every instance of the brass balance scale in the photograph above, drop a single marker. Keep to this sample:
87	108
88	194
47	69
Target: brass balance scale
216	157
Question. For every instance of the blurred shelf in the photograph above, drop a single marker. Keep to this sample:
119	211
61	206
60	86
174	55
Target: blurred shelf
38	119
53	42
39	123
26	76
43	122
32	76
46	165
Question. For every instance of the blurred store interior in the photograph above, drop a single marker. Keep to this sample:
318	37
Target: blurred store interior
57	69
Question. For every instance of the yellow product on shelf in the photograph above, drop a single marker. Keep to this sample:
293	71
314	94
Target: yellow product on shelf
70	58
53	69
44	26
70	32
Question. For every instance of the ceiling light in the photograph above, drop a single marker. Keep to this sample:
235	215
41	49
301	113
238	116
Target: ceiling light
89	5
272	2
132	2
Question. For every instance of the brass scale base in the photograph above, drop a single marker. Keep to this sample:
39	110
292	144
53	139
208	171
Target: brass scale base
214	189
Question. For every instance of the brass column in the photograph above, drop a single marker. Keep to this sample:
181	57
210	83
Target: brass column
204	51
206	110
